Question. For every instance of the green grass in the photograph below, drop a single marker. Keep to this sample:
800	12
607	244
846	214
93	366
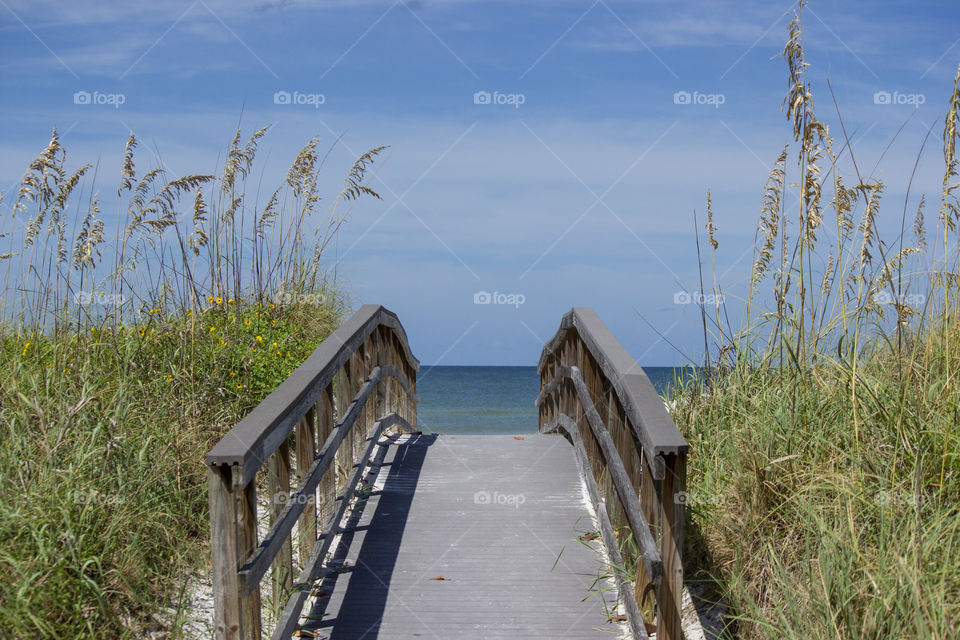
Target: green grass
824	475
103	508
812	530
122	363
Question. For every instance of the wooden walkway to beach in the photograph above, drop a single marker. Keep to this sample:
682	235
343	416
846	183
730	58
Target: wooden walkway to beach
469	537
369	528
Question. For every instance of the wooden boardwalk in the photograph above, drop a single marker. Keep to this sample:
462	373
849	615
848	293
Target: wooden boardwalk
448	536
497	518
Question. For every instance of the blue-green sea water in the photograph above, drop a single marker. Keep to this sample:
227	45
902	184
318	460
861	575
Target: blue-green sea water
492	399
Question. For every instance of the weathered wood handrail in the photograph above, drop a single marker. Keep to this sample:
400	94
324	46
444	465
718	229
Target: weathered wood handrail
360	381
631	453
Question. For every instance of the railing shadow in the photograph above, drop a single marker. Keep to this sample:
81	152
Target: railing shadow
704	581
364	600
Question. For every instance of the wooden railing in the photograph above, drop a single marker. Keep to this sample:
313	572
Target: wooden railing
318	428
631	456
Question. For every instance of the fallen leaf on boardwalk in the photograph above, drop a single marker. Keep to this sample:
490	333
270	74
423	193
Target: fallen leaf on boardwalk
651	628
303	633
589	536
437	578
518	437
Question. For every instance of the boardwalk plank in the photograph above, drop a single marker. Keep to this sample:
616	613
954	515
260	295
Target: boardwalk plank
498	518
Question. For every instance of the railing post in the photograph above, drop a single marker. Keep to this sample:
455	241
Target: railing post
306	450
650	506
412	418
246	500
669	595
278	474
233	529
342	394
223	548
328	483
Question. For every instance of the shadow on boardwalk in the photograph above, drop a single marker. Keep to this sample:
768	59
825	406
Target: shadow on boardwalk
369	580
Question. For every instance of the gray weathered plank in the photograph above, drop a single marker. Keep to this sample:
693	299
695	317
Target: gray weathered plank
616	471
564	424
492	515
655	428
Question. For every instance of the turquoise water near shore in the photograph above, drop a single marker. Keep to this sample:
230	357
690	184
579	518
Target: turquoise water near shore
473	400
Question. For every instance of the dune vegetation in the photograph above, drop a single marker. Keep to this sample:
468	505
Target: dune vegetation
825	441
128	345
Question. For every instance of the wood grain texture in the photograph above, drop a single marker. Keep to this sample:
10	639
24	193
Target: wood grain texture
628	504
643	407
260	432
563	424
497	518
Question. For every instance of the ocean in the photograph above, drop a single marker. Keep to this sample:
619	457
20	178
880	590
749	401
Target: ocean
474	400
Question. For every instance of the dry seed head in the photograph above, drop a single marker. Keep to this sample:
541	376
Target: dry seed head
354	181
842	203
88	238
949	206
868	220
711	230
827	275
127	172
239	160
769	223
799	99
198	238
919	230
268	216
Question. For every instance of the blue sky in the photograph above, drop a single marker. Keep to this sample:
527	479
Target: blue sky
578	188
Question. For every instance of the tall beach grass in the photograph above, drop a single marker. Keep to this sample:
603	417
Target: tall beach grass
825	468
129	344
